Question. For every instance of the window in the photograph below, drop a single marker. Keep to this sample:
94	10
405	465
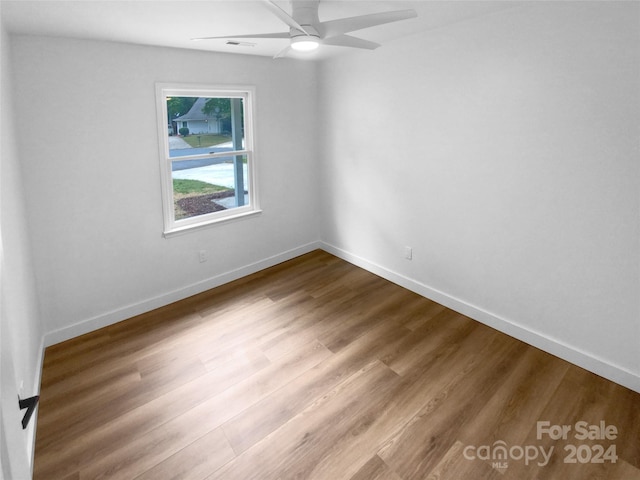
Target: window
207	155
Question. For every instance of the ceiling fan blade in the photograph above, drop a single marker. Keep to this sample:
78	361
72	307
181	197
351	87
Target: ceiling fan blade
349	41
284	16
255	35
351	24
283	53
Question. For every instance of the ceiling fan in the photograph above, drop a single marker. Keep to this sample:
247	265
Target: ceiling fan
307	32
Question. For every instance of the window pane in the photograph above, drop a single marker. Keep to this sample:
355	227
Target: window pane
204	125
208	186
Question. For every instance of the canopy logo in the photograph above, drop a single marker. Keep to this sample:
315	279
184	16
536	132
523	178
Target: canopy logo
499	454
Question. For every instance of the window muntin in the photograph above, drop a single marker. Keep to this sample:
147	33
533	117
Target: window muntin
207	155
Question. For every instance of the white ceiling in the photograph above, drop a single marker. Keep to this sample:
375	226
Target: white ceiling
174	23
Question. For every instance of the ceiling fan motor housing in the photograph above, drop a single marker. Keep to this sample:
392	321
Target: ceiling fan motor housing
311	31
306	14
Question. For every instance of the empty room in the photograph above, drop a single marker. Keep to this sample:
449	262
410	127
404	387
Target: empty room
334	239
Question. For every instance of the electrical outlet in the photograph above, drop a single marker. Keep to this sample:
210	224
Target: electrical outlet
408	253
203	256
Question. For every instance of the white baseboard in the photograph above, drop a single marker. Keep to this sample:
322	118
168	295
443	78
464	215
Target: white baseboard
539	340
114	316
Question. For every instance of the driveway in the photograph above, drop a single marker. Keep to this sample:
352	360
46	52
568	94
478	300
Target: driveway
176	143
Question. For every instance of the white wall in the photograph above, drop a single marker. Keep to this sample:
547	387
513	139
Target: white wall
20	328
87	134
504	150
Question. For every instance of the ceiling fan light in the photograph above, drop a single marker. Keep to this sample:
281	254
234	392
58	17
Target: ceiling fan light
305	43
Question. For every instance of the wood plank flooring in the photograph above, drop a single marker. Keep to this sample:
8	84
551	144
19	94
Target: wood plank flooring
316	369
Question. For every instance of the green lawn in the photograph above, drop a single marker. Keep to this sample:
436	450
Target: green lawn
187	188
206	140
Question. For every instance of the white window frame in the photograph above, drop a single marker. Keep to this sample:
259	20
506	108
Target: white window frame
247	93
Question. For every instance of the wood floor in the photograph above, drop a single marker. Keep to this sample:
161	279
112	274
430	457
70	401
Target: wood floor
316	369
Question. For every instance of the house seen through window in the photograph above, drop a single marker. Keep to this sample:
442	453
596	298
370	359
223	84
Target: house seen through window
207	155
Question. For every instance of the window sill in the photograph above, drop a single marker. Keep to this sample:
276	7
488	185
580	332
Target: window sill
181	230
